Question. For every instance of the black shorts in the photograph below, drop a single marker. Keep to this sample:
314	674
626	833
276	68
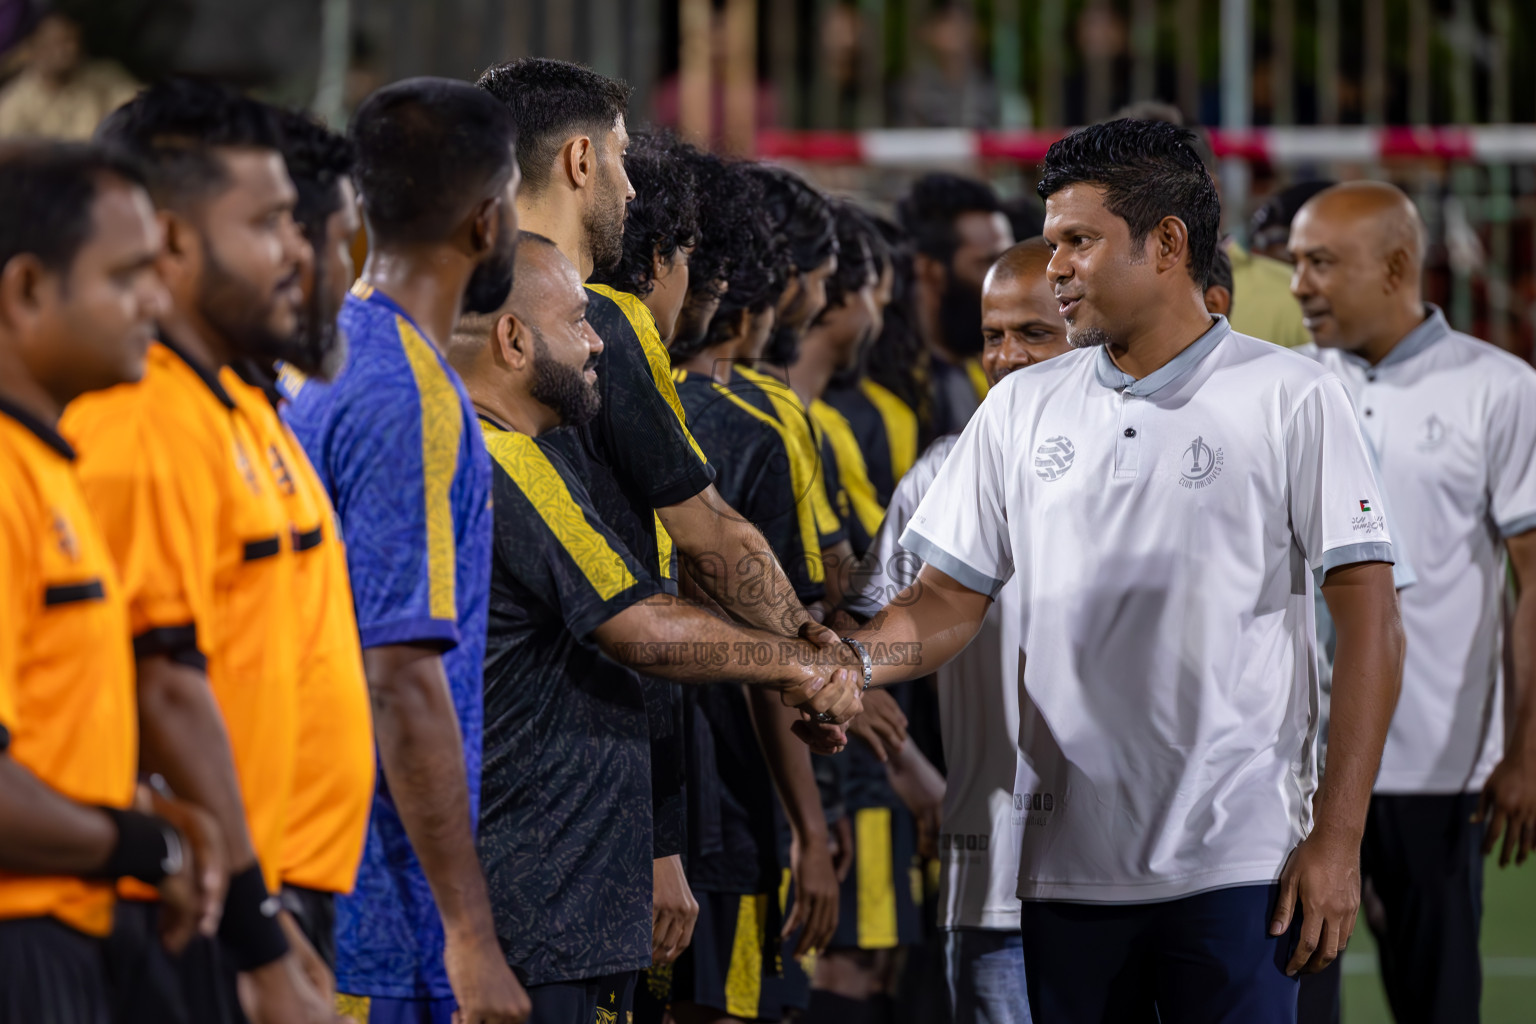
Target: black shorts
879	901
735	963
51	974
149	986
605	1000
315	912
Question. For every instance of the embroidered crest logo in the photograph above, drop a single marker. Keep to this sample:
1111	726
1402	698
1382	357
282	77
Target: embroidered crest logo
1054	457
1432	434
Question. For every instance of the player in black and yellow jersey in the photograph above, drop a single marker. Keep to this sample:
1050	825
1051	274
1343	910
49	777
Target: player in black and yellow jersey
958	229
886	425
564	826
736	969
173	467
78	300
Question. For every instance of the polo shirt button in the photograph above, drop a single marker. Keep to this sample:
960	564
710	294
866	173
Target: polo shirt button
1130	431
1370	412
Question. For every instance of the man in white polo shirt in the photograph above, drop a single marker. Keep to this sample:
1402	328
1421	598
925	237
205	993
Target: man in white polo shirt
1453	422
978	691
1163	497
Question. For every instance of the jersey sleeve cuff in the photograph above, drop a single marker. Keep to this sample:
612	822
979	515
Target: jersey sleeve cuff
698	478
1515	527
584	626
1351	554
440	633
963	573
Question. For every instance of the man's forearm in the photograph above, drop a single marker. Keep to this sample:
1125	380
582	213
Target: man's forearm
422	754
789	765
1522	684
45	832
675	639
923	627
182	738
1367	674
734	565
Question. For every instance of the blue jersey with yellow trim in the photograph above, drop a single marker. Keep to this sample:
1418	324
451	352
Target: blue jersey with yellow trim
396	442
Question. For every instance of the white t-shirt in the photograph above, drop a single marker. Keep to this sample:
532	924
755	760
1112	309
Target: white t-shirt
1161	532
978	723
1453	422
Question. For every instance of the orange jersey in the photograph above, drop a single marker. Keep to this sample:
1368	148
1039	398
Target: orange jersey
66	663
173	469
333	775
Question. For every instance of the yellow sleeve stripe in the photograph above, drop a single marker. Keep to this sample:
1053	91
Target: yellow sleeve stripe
850	466
361	290
442	433
644	325
978	376
900	426
801	477
534	475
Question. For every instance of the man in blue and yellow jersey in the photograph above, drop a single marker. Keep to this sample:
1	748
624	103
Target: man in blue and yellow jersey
334	776
958	229
78	301
573	613
395	442
203	543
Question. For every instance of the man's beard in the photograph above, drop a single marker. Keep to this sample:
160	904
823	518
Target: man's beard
1088	337
491	281
240	314
960	320
603	227
783	346
562	388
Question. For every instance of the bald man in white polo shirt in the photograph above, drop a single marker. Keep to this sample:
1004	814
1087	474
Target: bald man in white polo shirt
1453	422
1164	497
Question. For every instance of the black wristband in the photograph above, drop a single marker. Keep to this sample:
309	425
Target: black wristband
148	848
249	930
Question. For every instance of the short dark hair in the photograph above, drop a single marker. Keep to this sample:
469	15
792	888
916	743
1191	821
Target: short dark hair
929	211
1148	170
174	128
801	217
1221	273
428	150
661	219
897	360
317	160
1275	215
550	100
49	189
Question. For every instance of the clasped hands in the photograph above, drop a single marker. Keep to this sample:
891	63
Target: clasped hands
824	680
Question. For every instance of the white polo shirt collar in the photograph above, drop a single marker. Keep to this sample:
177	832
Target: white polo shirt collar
1174	370
1431	329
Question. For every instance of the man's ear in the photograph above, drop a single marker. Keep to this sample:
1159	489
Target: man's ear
181	252
1170	239
930	271
485	222
578	161
1399	267
1218	300
514	342
21	286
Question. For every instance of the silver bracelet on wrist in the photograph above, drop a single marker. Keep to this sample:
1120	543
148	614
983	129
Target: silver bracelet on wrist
869	666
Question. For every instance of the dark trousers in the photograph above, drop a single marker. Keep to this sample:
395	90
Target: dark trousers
1423	858
1203	959
51	974
149	986
315	913
606	1000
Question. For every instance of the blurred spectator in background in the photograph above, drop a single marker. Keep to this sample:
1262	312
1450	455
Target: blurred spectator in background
1269	230
950	89
61	93
1268	310
1218	286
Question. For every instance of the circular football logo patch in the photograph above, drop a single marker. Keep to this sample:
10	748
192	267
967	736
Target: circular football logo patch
1054	457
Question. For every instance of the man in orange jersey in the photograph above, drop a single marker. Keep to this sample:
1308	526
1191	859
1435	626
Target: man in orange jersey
173	467
78	299
333	778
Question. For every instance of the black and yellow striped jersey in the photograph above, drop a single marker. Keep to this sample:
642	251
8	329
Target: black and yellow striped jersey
886	429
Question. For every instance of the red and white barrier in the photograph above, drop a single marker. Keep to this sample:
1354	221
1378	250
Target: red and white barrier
908	147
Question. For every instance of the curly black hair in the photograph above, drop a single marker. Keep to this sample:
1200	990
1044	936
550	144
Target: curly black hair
936	201
318	159
800	215
1148	170
756	268
662	218
856	259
